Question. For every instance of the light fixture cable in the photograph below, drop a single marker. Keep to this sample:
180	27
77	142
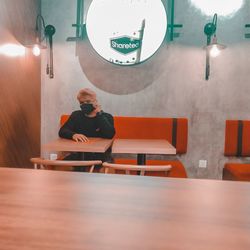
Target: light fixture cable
212	48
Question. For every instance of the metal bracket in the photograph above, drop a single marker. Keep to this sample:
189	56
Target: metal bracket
79	25
171	26
247	35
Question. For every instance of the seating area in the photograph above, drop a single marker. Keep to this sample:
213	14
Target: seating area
237	146
175	130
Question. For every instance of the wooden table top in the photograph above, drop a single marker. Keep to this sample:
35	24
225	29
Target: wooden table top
98	145
143	146
57	210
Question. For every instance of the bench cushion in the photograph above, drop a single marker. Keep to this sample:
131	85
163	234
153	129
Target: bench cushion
237	134
236	171
174	130
63	119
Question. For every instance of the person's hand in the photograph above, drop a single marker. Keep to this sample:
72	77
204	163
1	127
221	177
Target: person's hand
80	138
96	110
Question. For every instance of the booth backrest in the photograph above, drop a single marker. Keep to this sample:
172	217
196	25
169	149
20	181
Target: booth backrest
237	134
175	130
63	119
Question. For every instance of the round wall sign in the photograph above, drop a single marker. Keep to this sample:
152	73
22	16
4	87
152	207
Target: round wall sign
126	32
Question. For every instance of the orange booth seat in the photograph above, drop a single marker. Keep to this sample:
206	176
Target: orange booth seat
237	144
236	171
175	130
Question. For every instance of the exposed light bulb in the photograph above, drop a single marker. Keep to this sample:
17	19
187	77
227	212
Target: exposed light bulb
214	51
12	50
36	50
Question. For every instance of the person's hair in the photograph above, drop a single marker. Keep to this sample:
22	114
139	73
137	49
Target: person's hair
86	93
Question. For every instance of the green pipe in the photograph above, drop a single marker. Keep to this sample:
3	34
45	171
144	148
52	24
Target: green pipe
79	18
172	22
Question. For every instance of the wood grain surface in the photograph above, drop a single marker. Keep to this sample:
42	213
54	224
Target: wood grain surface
73	211
99	145
20	79
143	146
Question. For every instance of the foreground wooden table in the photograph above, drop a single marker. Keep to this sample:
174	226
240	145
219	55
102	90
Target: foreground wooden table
142	147
42	210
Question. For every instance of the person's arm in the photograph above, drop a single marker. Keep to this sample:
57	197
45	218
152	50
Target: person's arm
106	125
67	130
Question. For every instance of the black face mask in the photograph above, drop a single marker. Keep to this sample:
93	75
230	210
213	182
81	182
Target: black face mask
87	108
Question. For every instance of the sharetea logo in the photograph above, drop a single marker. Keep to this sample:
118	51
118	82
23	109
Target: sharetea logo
125	44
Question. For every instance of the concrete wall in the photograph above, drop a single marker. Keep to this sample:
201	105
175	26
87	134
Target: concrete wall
170	84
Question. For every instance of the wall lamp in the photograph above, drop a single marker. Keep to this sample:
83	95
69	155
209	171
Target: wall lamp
43	40
213	48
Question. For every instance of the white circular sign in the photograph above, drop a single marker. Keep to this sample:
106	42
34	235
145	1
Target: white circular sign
126	32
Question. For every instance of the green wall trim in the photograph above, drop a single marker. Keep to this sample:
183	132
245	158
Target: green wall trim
171	34
79	25
247	35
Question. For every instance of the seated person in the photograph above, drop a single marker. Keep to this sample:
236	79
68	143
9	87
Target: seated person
90	121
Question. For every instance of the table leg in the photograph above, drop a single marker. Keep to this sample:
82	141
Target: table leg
141	160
